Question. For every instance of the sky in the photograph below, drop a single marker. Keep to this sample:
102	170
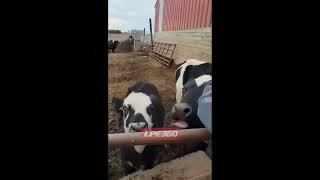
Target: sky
127	15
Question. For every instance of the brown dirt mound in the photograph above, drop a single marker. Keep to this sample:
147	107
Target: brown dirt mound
181	168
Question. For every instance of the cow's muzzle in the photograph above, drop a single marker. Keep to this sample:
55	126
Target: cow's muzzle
138	123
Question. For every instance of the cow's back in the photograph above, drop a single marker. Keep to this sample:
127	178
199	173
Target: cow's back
190	69
193	72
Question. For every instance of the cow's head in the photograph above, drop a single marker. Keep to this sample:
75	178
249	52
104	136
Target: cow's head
184	114
136	113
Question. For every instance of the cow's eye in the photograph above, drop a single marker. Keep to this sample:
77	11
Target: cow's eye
150	109
125	109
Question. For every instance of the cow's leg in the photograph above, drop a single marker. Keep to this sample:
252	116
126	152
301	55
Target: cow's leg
128	168
113	50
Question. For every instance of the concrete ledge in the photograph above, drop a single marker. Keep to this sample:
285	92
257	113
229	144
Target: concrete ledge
195	166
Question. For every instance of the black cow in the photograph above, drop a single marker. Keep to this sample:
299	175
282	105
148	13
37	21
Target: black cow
112	44
191	78
141	108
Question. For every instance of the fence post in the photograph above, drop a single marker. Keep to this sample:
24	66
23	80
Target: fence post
144	34
150	30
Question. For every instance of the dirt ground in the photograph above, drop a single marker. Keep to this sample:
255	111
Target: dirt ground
124	69
180	168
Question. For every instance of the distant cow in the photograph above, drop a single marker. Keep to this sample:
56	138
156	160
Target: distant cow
141	108
131	39
191	78
112	44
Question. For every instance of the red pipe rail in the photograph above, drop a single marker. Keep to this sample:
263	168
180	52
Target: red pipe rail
158	137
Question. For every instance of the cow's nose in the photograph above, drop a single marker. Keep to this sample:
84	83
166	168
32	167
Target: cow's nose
138	118
183	108
139	126
138	122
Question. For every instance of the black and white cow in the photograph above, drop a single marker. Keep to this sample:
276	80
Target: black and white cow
131	39
112	44
141	108
191	78
190	69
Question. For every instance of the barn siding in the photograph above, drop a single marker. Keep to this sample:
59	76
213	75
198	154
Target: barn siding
156	19
195	43
184	14
186	23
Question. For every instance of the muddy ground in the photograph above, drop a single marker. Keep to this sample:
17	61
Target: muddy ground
124	69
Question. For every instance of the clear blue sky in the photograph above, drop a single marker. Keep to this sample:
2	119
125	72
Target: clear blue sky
127	15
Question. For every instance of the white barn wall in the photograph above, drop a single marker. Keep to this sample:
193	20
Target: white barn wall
191	44
118	37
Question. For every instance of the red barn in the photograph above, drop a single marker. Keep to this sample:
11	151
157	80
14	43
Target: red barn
186	23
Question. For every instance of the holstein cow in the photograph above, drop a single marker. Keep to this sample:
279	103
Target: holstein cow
190	69
141	108
112	44
191	78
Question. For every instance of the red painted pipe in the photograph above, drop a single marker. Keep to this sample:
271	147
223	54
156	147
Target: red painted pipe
158	137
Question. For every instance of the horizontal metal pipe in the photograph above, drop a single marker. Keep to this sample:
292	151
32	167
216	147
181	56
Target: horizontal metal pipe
158	137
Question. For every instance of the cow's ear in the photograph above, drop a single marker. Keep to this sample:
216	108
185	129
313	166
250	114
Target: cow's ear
155	99
117	103
129	91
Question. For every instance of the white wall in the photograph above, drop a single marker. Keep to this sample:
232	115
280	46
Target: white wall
160	16
119	37
195	44
148	37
